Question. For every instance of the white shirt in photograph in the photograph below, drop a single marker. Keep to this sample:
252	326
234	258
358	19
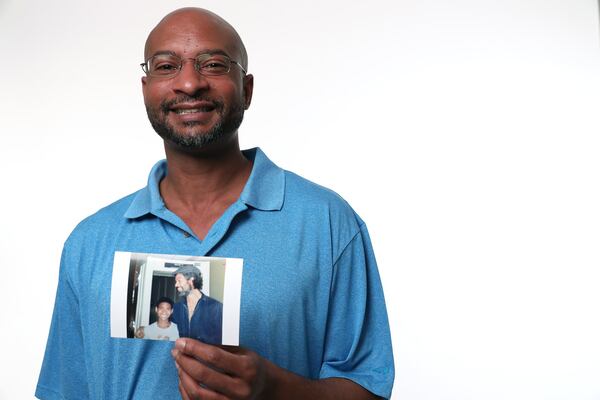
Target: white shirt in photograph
153	331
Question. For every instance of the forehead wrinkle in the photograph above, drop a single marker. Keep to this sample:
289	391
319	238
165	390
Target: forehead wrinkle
199	53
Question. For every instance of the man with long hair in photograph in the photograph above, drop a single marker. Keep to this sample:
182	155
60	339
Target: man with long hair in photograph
197	315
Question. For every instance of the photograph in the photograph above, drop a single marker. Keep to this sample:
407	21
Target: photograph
165	297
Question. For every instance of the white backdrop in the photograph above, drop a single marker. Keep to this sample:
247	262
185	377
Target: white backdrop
465	133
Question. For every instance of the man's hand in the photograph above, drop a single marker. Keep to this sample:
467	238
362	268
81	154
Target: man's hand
220	372
211	372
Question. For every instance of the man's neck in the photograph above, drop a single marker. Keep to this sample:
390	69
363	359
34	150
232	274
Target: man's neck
192	299
194	295
200	186
199	176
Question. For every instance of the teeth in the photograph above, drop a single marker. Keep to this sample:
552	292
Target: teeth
187	110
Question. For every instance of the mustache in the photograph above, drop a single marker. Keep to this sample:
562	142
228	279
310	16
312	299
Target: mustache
166	105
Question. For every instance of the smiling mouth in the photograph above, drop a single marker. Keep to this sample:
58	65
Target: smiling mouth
183	111
192	107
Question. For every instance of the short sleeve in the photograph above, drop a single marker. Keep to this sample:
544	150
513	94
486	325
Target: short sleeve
358	342
63	373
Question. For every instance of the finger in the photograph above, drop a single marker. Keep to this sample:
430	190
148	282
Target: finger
195	391
184	395
206	376
226	361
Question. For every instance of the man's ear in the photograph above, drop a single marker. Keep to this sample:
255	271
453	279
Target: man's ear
248	88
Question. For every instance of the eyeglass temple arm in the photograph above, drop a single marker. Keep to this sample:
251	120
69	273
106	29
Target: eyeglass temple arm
239	65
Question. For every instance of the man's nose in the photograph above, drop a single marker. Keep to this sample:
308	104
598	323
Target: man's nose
189	80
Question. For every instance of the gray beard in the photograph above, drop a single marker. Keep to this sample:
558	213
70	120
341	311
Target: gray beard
222	130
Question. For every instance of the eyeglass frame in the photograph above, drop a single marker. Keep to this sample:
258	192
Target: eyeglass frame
146	70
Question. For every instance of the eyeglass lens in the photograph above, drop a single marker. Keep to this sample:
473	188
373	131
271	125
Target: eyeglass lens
207	64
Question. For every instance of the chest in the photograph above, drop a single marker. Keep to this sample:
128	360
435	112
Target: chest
191	304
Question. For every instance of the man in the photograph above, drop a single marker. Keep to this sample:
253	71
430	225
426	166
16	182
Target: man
313	323
163	328
197	315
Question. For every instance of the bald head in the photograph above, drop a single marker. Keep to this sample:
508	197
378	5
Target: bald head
203	23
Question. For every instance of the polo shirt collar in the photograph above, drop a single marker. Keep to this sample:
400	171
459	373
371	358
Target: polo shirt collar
266	184
264	189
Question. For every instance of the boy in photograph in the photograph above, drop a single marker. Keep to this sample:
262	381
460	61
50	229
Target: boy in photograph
163	328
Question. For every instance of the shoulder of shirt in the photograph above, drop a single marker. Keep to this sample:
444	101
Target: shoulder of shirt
102	220
209	299
314	195
325	212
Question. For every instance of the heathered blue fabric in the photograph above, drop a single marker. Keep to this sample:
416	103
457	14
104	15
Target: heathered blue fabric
312	300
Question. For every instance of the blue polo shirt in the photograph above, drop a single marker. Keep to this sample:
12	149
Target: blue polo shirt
311	299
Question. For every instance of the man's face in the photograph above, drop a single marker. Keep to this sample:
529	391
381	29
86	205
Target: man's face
164	311
190	110
184	286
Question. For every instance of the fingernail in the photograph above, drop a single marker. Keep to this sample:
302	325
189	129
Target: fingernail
174	353
180	344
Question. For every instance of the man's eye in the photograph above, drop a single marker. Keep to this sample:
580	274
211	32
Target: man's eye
214	66
165	67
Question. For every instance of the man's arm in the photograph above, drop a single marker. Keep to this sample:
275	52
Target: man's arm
211	372
63	373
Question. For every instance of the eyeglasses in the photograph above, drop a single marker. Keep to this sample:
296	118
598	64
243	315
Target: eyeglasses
169	65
